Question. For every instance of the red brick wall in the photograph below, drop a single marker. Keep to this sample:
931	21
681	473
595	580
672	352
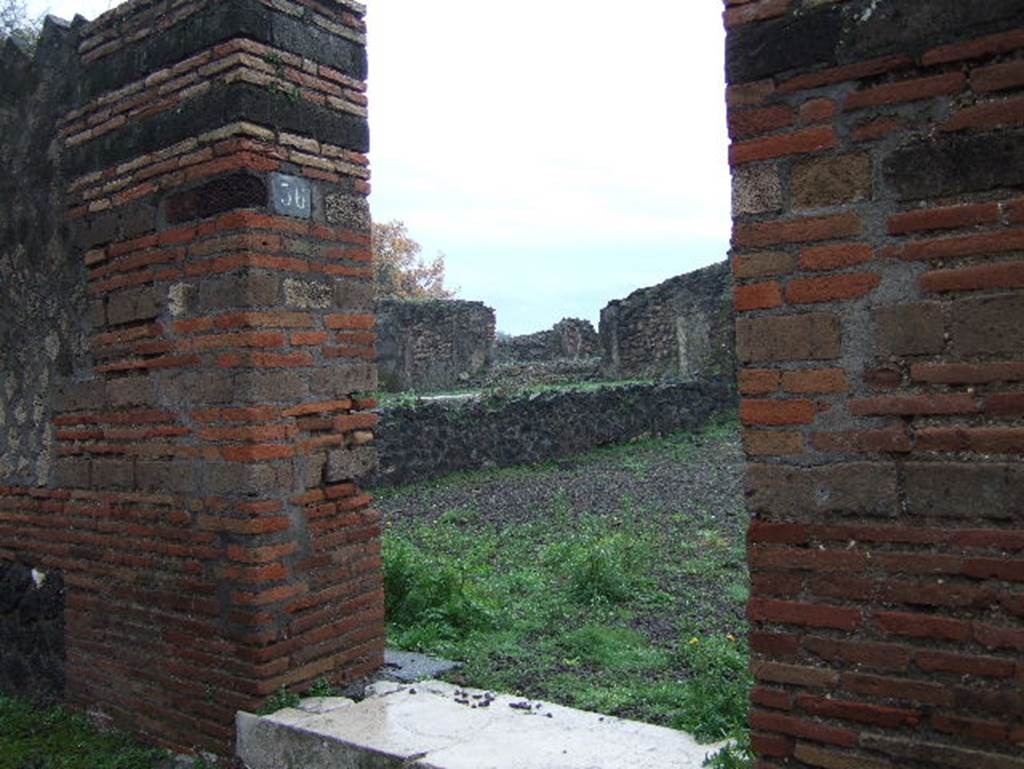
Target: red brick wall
878	161
204	508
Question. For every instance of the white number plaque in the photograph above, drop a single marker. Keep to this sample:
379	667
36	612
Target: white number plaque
292	196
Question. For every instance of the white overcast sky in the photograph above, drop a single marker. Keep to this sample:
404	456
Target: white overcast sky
561	153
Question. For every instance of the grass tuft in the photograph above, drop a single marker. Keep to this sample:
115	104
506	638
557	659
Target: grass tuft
599	567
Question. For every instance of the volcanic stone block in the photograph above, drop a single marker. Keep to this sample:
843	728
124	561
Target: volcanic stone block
909	329
812	336
830	181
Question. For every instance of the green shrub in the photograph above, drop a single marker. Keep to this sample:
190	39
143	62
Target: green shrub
715	696
427	599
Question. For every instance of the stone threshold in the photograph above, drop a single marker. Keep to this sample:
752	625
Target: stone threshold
436	725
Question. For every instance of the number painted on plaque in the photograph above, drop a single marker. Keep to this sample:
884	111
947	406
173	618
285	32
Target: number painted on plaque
292	196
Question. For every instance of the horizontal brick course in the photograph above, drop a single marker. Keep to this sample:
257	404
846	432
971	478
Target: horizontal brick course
800	142
835	257
830	380
755	10
803	614
758	296
982	244
850	72
943	218
915	404
799	727
832	288
1003	275
810	229
760	120
906	91
987	115
891	440
998	77
763	264
1000	42
864	488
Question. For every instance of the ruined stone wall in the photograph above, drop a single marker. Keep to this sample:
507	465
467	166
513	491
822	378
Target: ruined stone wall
188	310
681	328
43	328
432	345
429	440
569	339
878	161
43	314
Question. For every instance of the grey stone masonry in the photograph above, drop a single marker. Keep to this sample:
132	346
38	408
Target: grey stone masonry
442	436
681	329
569	339
434	344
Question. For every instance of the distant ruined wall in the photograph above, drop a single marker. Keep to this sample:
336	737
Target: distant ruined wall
878	166
429	440
187	312
569	339
681	328
434	344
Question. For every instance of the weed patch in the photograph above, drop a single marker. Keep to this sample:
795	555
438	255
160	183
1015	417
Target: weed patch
428	598
55	738
599	567
714	698
285	698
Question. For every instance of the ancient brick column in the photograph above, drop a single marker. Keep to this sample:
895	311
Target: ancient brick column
204	212
878	162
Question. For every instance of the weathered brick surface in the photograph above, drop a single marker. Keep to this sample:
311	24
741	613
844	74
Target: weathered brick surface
880	301
790	337
197	446
909	329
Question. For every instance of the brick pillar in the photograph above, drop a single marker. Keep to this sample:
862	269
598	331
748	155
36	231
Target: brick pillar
878	166
204	507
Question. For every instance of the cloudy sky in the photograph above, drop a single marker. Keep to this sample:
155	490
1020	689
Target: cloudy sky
561	153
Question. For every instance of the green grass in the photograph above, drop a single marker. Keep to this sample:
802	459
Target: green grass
636	614
55	738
